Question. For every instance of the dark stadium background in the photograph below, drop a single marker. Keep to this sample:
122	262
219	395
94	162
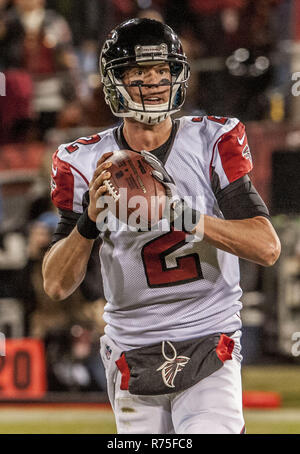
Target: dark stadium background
245	61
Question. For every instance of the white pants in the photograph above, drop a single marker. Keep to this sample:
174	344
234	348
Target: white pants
212	406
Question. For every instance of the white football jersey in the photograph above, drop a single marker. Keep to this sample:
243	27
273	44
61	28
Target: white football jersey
157	285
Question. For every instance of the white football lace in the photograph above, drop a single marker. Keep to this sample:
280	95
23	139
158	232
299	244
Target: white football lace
112	190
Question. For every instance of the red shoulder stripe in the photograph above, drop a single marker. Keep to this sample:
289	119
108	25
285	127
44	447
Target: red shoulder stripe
62	193
234	152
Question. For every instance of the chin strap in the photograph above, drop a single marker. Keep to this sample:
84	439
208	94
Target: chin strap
149	118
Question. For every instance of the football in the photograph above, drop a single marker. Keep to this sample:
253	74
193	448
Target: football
139	198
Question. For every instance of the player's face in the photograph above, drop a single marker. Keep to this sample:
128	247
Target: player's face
157	77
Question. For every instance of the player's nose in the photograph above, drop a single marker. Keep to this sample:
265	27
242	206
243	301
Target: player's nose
157	81
153	78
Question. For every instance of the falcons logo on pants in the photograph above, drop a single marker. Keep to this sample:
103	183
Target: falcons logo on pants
171	366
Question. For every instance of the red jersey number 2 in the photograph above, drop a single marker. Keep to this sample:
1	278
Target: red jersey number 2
186	268
83	141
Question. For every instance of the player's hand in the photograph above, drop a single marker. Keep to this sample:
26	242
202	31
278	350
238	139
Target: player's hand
181	215
97	188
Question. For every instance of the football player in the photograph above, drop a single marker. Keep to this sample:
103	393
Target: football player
171	347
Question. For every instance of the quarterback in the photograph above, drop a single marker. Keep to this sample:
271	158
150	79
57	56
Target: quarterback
171	347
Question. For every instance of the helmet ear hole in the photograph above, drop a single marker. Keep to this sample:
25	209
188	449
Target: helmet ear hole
175	69
121	101
119	73
177	98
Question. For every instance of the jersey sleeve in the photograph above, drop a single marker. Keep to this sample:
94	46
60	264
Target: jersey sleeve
231	157
68	185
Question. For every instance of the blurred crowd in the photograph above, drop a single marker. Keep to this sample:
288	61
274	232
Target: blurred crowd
49	55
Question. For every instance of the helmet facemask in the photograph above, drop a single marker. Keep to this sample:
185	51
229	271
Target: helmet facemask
115	89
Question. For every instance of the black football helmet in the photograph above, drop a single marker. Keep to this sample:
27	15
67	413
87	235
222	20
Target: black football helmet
141	42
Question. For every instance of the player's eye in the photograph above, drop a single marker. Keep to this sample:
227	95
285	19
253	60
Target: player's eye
164	71
139	72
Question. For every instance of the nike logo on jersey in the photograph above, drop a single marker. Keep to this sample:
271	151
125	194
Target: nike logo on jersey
171	366
241	140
